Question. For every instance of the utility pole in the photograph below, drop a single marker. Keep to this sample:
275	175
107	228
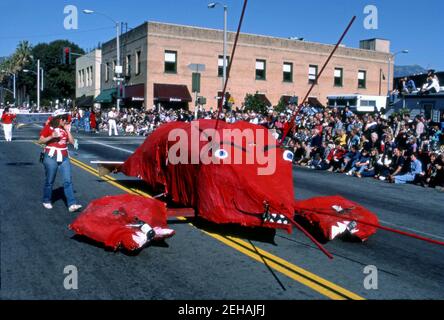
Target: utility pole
38	84
118	64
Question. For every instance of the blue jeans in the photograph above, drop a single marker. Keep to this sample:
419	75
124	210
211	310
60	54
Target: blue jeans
408	177
51	167
87	126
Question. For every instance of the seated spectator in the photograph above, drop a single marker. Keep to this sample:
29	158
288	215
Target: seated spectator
435	174
361	164
415	169
432	84
370	170
411	86
129	129
334	158
350	158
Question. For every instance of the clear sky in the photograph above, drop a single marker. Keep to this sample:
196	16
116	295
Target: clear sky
414	25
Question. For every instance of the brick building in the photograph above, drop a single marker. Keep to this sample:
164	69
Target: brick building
155	58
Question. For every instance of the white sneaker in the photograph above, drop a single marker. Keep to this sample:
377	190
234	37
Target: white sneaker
74	207
47	205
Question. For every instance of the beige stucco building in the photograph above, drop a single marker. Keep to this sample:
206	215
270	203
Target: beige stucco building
155	59
88	69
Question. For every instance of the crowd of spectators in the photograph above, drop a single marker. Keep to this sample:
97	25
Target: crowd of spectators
396	149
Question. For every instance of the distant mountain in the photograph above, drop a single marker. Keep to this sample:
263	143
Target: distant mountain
402	71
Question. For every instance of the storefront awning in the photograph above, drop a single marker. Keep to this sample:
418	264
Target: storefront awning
290	99
106	96
171	93
264	99
314	102
135	92
85	101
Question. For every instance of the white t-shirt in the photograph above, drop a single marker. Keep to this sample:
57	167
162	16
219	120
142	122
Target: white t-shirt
112	115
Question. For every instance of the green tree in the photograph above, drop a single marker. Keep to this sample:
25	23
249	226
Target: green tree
254	103
281	106
21	56
59	79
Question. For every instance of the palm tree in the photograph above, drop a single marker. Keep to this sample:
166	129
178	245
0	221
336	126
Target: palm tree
21	56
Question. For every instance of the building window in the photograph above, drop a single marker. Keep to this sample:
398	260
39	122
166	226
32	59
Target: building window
261	69
114	67
128	65
287	71
220	65
312	74
92	75
339	72
170	61
83	78
138	62
79	82
362	79
107	72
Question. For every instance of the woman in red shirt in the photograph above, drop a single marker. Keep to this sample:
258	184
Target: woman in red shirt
7	118
56	136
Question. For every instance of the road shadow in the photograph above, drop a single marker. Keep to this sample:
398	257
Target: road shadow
265	235
136	184
85	240
59	194
20	164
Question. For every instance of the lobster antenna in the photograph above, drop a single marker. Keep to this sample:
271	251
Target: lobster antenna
291	122
231	62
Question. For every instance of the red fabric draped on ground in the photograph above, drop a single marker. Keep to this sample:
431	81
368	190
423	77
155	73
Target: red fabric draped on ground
127	221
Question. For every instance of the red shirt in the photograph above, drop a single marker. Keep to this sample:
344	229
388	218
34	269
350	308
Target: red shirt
60	142
8	117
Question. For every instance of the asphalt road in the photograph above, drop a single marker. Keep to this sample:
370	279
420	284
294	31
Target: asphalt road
207	261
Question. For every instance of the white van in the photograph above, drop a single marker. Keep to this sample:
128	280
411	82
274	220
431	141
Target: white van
358	102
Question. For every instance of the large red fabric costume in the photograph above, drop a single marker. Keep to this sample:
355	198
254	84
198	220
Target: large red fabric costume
236	193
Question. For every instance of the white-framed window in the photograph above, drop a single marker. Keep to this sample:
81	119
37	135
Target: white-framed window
362	79
261	72
170	61
287	72
339	77
79	79
312	73
128	65
138	63
107	72
220	65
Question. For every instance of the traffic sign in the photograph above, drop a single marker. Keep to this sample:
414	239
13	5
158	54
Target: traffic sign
196	67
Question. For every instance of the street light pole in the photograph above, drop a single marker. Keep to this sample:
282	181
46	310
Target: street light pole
225	47
117	24
118	63
38	84
224	77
